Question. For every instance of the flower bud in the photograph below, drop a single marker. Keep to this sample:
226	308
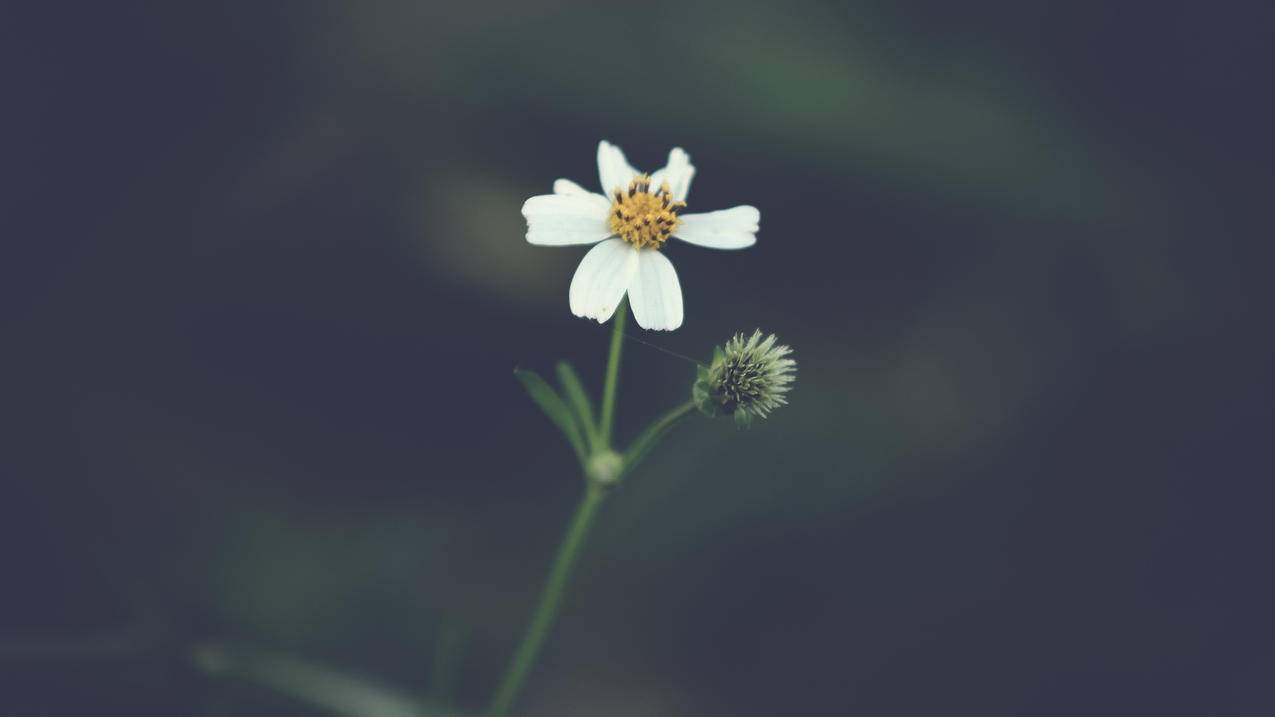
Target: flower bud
747	378
604	467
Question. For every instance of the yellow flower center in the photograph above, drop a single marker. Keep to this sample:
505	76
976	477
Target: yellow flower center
644	218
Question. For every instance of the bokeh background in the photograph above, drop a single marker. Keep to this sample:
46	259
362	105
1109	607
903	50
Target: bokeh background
264	284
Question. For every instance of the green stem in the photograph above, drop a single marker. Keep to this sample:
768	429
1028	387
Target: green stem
669	419
550	598
654	434
613	371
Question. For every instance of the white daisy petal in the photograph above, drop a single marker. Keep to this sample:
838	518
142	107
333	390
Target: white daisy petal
602	278
566	186
562	219
613	169
654	293
733	228
678	174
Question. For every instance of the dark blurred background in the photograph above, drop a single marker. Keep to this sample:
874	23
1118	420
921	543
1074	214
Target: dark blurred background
264	283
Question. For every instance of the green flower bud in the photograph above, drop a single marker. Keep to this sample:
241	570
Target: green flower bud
605	467
747	379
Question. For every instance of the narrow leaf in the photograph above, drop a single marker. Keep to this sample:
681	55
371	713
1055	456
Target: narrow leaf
578	398
555	409
333	691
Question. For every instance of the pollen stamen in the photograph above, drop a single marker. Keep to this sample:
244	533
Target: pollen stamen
643	218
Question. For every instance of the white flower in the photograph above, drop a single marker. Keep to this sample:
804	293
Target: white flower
630	223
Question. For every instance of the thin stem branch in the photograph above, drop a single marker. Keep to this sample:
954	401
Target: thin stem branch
613	372
668	420
550	599
654	434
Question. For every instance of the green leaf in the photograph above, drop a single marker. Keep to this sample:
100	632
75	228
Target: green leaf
578	398
702	400
552	404
333	691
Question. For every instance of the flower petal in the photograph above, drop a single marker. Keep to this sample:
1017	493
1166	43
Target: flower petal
734	228
677	173
562	219
654	292
613	169
566	186
602	278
